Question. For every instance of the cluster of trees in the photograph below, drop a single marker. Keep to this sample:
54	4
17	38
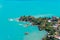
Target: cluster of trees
41	22
49	38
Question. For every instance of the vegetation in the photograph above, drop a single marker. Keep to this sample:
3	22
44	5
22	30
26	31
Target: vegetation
44	24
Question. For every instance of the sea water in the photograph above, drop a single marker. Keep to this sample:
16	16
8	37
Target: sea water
11	30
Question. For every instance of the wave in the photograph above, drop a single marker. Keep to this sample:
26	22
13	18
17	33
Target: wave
43	15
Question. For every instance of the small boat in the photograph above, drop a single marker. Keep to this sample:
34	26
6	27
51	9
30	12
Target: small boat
26	33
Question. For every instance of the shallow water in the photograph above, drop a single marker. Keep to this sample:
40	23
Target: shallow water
13	9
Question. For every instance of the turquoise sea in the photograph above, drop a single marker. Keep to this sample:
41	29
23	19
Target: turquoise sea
16	8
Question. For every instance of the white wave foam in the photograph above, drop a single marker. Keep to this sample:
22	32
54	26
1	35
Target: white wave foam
14	19
21	24
43	15
11	19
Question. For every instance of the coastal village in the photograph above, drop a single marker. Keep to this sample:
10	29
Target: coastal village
49	24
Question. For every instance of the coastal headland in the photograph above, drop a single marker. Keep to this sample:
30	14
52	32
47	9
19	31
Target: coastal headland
49	24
